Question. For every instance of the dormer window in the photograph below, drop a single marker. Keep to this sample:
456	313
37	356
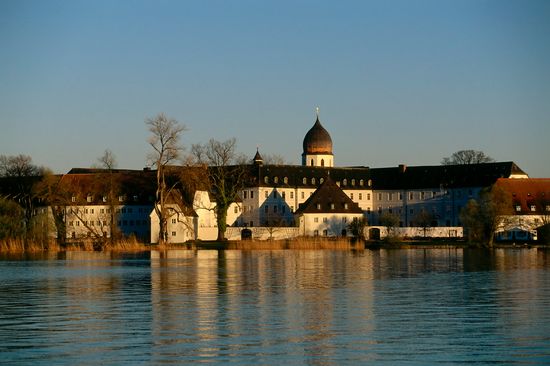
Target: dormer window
518	208
285	180
533	208
104	198
318	206
312	180
361	182
353	182
332	206
120	198
266	179
304	180
89	198
321	180
345	182
276	180
73	199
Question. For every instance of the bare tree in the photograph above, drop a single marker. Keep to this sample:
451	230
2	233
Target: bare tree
424	219
390	221
50	191
19	166
483	217
110	182
467	157
274	159
165	142
226	177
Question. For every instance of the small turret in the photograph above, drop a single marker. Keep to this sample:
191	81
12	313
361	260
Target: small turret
258	160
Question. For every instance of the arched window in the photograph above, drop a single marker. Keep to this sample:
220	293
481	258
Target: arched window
311	162
312	180
353	182
370	182
266	179
285	180
276	180
321	180
345	182
322	162
304	181
361	182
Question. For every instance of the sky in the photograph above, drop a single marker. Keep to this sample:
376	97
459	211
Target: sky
397	82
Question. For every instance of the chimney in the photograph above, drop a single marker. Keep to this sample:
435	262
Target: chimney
402	168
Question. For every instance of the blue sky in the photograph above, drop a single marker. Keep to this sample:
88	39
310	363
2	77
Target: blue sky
396	81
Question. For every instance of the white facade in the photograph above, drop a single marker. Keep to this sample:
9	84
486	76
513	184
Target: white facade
326	224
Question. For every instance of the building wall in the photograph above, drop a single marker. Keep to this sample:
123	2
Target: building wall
326	224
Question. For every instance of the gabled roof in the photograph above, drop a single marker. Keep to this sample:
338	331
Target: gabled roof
450	176
329	198
527	193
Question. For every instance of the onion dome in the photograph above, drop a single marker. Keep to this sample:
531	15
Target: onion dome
317	140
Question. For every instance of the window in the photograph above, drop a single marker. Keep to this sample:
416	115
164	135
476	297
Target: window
89	198
276	180
92	210
70	223
283	194
325	219
78	223
379	196
351	195
291	208
245	194
236	210
322	162
135	198
547	208
360	196
370	182
390	196
73	199
316	232
303	195
311	162
285	180
345	182
533	208
518	208
400	196
120	198
318	206
344	219
173	233
434	194
312	180
102	210
291	195
361	182
411	196
325	232
353	182
315	219
332	206
321	180
85	210
304	181
251	194
345	206
266	194
104	198
422	195
368	196
266	179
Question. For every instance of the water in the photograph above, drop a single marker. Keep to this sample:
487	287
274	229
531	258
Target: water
386	307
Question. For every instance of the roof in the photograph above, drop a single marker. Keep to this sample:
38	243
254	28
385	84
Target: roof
317	140
292	176
329	198
449	176
527	193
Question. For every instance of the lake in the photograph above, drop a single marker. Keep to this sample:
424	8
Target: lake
388	307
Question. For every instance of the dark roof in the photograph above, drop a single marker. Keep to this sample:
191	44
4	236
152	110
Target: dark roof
450	176
317	140
329	198
349	178
528	192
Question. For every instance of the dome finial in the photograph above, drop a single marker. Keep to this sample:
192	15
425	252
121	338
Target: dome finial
317	112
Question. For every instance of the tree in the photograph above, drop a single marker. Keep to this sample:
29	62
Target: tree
110	183
274	159
357	227
12	220
390	221
467	157
226	176
424	220
165	135
50	191
482	218
23	175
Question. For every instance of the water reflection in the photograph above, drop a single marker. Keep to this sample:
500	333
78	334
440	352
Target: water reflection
313	307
